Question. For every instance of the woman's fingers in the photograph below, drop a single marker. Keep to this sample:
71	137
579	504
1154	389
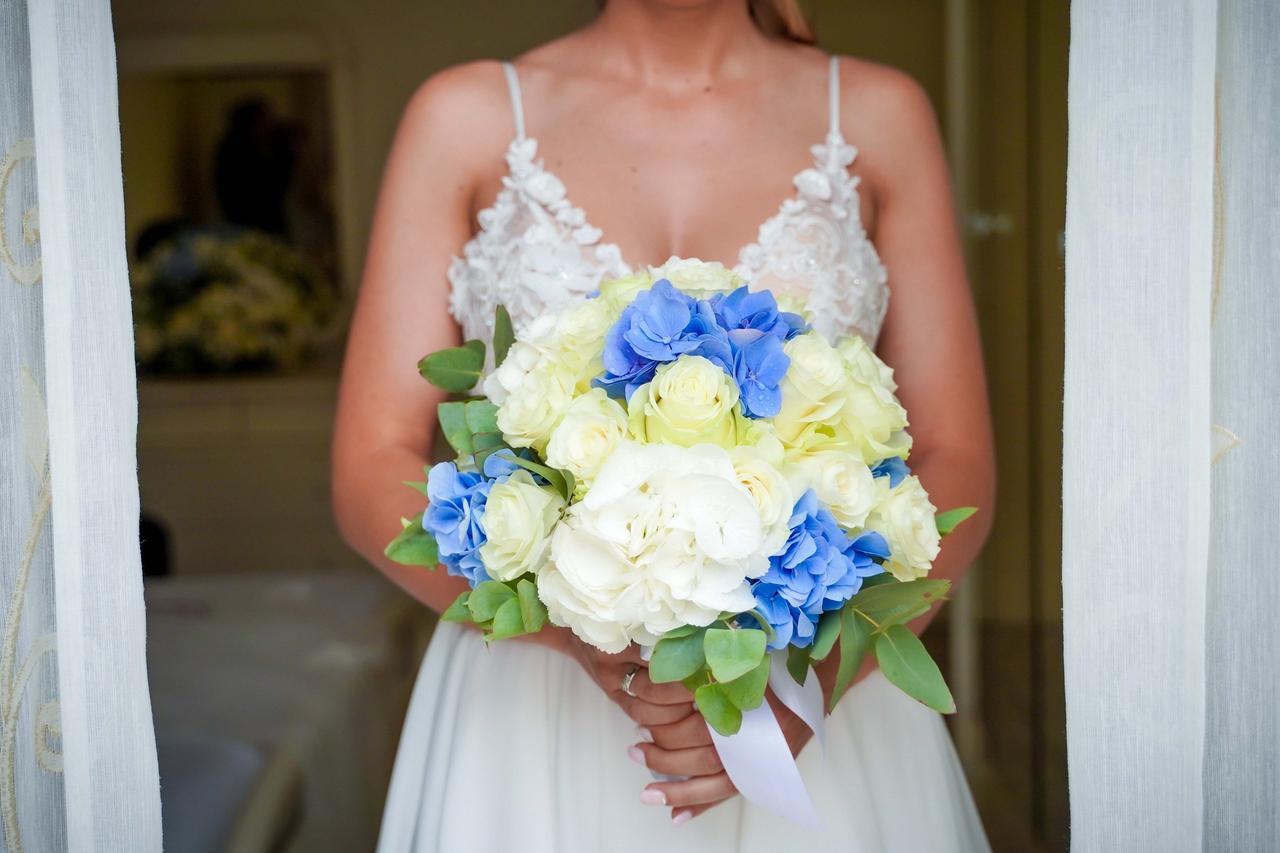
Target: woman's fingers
683	734
649	715
674	693
699	761
700	790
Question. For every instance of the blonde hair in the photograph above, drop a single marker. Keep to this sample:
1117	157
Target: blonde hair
783	18
780	18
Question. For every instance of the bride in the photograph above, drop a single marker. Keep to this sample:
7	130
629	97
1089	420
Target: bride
665	127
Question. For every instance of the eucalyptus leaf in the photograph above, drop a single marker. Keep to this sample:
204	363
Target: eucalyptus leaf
503	335
414	546
855	640
721	714
417	487
458	611
732	652
481	416
453	423
456	369
951	519
676	658
682	631
906	663
554	477
902	601
747	691
487	598
825	639
508	621
798	664
532	610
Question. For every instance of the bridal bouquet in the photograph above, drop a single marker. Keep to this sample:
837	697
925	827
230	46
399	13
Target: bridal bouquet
679	462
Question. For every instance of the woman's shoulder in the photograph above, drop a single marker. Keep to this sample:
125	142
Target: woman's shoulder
465	108
875	93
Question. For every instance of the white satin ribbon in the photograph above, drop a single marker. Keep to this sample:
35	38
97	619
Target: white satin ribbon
758	759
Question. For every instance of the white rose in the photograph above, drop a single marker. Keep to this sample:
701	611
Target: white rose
864	364
697	277
841	481
813	389
905	517
518	518
775	499
666	536
590	430
529	413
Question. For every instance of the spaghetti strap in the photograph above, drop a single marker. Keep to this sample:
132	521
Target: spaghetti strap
513	86
833	96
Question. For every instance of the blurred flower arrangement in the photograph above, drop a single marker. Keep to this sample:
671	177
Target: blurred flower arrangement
227	301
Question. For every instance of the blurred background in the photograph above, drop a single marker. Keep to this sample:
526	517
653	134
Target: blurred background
254	133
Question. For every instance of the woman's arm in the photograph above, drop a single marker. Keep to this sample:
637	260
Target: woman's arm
386	415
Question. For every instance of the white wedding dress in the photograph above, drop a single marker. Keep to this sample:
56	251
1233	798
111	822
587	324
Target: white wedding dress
513	747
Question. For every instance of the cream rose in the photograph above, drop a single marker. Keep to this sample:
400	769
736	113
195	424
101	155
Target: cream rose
690	401
813	391
905	517
842	481
518	518
591	428
695	277
529	414
666	536
758	474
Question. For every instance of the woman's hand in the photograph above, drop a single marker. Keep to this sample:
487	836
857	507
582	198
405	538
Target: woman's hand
647	704
684	748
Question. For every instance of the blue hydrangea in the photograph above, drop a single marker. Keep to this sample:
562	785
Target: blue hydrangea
758	367
819	569
744	309
895	468
456	505
659	326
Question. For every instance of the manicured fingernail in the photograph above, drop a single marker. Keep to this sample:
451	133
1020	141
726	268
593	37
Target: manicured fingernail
682	817
644	734
636	754
653	797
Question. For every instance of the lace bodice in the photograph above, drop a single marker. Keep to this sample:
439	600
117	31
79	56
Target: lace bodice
535	251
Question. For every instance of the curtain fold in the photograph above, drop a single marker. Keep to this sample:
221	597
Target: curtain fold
77	759
1171	435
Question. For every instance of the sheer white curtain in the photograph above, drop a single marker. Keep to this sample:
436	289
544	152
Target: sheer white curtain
77	752
1171	498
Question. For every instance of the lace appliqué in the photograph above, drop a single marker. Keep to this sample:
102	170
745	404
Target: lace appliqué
534	251
816	247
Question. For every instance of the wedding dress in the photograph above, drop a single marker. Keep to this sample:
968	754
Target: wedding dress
514	747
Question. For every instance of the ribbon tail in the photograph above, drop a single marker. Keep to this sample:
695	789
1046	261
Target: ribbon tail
758	758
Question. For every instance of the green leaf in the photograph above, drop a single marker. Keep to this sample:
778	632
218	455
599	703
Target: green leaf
905	662
693	682
482	416
825	639
503	335
878	580
551	475
732	652
414	546
682	631
798	664
456	369
902	601
747	691
677	658
453	423
417	487
855	640
951	519
458	611
487	598
532	610
721	714
508	621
